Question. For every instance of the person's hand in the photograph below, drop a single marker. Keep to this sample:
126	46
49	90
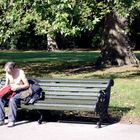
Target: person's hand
14	87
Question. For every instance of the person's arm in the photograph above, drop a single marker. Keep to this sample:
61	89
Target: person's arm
6	81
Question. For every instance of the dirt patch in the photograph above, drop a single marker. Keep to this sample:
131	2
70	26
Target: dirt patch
130	120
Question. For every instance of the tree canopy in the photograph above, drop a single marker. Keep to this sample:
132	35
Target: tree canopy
67	17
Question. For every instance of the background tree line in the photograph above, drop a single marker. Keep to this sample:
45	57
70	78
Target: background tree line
111	25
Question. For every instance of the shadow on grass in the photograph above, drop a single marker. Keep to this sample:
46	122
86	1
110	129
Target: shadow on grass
40	70
57	116
116	113
115	116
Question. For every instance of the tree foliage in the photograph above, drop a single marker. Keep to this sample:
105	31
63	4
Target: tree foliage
67	17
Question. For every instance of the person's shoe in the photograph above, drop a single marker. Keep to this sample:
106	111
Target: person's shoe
11	124
1	123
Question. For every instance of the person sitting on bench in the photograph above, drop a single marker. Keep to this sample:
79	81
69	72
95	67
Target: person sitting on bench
16	82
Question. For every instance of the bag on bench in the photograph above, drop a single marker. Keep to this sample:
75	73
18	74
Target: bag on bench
37	93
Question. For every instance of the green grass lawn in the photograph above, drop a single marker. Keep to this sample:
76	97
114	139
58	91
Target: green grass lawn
125	99
43	63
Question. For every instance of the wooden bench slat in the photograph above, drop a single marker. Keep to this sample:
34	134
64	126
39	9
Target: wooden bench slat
73	85
68	93
75	80
69	101
60	107
71	97
73	89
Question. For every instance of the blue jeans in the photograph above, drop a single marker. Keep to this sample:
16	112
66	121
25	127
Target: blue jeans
13	105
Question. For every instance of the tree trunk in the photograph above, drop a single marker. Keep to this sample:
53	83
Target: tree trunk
117	49
52	45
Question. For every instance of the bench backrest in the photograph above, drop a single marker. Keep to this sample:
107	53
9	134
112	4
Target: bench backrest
69	94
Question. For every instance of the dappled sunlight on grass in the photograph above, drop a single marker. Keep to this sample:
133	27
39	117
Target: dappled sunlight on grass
69	63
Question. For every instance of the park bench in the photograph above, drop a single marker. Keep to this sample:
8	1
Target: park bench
91	95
